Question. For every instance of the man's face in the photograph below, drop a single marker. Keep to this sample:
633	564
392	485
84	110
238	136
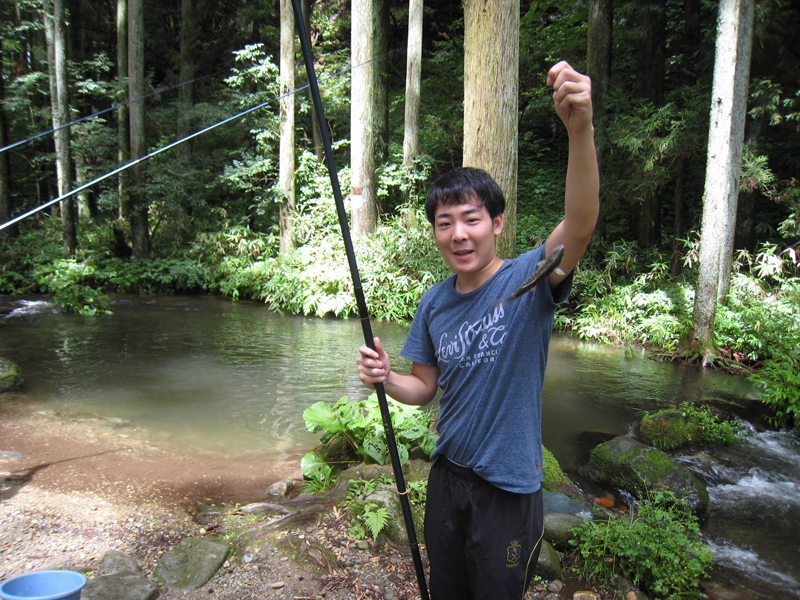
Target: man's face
465	234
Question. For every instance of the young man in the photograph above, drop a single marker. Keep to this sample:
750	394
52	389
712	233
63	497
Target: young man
483	520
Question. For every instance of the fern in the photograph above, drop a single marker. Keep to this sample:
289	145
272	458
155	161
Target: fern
375	518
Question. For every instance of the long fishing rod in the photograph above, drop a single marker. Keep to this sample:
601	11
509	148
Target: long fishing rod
363	313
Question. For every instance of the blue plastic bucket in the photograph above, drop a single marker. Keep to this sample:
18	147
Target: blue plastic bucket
44	585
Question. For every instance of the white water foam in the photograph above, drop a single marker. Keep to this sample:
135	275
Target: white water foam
742	559
32	307
760	486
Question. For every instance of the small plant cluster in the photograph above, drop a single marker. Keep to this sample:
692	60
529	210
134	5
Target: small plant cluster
658	548
369	517
365	516
361	424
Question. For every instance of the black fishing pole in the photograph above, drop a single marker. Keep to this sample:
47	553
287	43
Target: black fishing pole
363	313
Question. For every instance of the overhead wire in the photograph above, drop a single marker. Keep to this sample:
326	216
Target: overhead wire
169	146
96	114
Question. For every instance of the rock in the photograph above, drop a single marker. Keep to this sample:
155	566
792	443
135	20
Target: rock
116	562
667	430
623	588
191	563
10	376
555	586
637	468
280	488
556	502
585	596
557	529
120	586
549	564
395	529
417	469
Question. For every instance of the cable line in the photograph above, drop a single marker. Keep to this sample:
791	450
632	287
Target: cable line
105	110
133	163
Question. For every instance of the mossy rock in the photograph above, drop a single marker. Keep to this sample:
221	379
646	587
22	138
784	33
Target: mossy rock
667	430
639	469
553	476
10	376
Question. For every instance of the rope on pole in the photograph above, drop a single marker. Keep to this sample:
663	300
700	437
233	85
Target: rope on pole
363	313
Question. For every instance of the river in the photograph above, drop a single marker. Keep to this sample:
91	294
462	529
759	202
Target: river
229	378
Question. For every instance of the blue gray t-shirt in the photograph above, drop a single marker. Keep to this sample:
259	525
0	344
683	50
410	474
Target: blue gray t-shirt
492	359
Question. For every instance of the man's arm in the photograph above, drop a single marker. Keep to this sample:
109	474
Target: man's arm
417	388
573	102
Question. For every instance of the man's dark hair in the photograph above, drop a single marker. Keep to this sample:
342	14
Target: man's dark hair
461	185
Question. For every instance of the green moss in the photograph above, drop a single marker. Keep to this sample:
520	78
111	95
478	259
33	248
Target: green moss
553	475
667	430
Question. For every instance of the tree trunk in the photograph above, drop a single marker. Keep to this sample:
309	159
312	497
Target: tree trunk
413	99
189	48
491	83
413	83
138	205
123	123
315	135
679	203
363	118
723	167
5	169
287	157
745	237
60	103
598	61
651	65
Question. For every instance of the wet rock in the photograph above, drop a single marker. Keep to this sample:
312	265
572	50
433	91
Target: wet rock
549	565
191	563
280	488
558	529
585	596
637	468
10	376
556	502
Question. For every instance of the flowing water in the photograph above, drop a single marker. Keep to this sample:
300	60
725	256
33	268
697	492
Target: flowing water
209	374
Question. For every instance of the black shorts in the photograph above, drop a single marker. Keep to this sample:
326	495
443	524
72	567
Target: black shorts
483	542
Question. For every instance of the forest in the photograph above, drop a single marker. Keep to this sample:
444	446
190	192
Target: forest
174	149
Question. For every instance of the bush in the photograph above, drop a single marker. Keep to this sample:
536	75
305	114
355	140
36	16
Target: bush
657	548
361	424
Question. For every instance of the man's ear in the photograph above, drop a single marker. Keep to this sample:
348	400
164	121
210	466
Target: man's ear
497	224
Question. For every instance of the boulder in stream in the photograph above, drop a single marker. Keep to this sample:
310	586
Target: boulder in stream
637	468
10	375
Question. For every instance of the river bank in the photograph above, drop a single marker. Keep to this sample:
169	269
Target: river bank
74	489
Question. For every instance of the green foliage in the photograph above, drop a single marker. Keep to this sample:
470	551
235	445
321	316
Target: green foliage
316	471
361	424
627	296
780	384
82	299
658	548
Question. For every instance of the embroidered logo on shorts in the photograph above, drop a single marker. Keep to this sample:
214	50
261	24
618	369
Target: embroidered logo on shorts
513	554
